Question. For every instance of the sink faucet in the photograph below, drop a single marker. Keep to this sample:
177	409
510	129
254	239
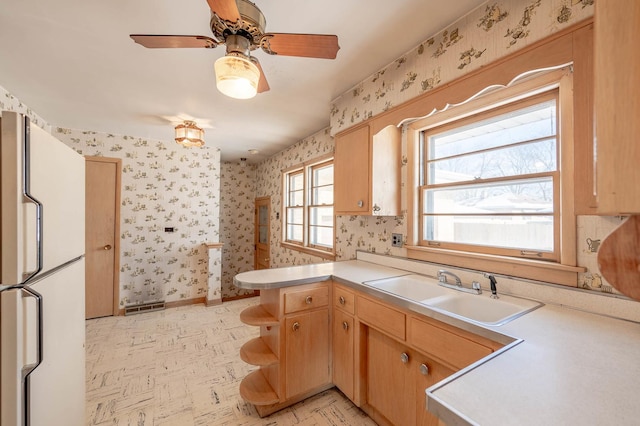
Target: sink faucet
442	277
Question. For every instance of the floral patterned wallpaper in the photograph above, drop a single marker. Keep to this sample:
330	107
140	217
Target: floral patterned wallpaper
163	185
237	196
488	33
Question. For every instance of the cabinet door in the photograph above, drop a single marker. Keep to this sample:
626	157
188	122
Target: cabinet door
343	344
307	352
428	373
617	84
351	172
390	379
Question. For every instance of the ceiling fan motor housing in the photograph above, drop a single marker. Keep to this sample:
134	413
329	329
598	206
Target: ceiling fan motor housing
251	26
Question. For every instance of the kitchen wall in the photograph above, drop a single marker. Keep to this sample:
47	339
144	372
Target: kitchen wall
163	184
237	196
492	31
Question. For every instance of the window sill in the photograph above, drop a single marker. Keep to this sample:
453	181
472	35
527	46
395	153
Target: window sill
314	252
523	268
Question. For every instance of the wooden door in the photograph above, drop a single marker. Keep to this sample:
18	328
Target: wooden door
101	241
262	225
390	379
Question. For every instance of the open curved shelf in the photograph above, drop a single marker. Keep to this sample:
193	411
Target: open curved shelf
256	352
255	389
257	315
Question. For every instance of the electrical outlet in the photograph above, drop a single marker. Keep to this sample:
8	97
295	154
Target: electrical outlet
396	240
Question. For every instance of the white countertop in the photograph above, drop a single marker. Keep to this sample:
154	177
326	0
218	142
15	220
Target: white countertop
572	367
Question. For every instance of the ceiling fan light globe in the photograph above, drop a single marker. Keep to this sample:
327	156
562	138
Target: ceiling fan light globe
237	77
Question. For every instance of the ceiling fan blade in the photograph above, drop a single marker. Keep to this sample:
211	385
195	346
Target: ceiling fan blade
226	9
177	41
307	45
263	86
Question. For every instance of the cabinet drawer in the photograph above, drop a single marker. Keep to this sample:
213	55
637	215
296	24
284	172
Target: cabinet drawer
344	299
381	317
456	350
301	300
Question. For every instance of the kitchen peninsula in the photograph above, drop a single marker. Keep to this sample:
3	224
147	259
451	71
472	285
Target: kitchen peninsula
549	366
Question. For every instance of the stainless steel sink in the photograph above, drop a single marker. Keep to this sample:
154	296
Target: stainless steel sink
483	309
413	287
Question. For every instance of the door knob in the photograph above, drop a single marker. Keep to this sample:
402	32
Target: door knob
107	247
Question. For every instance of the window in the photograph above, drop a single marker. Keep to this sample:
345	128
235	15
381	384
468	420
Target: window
491	179
308	208
490	182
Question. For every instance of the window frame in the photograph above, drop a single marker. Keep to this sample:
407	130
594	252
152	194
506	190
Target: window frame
306	169
562	271
550	95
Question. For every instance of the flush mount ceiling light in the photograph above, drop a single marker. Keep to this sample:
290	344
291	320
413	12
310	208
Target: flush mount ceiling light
188	134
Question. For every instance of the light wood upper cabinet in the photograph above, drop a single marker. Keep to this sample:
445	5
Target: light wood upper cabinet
617	106
367	171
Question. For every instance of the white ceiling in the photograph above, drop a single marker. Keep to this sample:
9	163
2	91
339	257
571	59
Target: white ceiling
73	63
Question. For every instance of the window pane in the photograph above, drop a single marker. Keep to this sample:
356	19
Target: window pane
321	236
323	175
321	216
294	232
534	157
533	122
522	196
294	215
296	198
296	181
519	232
322	195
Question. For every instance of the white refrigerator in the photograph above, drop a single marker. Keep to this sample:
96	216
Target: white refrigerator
42	330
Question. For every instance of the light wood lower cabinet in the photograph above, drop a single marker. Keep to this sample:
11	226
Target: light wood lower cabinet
380	356
307	352
343	353
293	350
390	379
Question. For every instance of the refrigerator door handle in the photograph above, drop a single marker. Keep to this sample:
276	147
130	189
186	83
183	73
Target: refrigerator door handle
28	369
26	189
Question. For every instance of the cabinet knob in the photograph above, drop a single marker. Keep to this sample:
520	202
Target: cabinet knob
345	325
107	247
404	357
295	326
308	300
341	300
360	203
424	369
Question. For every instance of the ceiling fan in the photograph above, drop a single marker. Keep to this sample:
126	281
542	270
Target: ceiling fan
240	25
